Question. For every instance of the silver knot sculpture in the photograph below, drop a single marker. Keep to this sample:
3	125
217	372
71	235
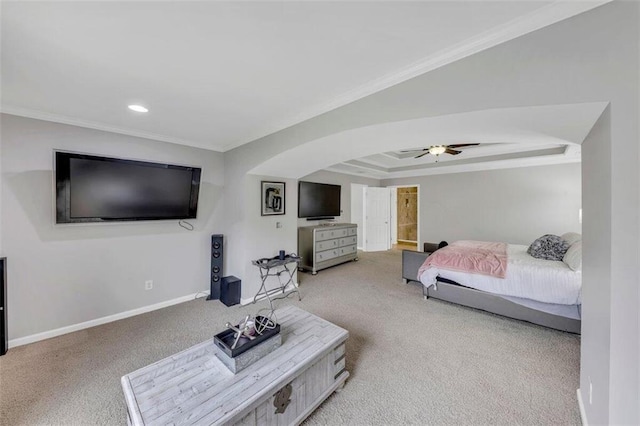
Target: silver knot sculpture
244	329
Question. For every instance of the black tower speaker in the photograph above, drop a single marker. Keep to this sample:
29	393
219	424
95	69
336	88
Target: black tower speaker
217	251
4	334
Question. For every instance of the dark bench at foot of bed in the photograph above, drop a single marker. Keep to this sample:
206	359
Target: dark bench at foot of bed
450	291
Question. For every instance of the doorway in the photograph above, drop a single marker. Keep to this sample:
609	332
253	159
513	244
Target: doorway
390	214
406	218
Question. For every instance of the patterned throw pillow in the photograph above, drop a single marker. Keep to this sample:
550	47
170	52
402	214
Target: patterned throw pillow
549	247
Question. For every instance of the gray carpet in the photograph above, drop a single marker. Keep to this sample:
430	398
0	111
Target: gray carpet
411	361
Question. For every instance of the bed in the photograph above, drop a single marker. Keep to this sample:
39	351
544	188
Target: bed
543	292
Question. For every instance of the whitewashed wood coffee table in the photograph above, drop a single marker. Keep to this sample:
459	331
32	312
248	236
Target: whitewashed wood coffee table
194	387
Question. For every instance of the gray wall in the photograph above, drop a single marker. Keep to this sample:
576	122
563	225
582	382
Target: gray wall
264	237
357	210
511	205
596	267
61	275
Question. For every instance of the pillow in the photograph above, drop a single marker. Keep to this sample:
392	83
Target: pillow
573	256
572	238
549	247
431	247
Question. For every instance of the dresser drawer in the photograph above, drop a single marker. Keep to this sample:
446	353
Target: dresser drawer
327	244
327	234
348	250
338	352
347	241
321	256
339	366
352	231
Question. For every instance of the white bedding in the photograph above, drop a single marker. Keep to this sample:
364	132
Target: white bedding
545	281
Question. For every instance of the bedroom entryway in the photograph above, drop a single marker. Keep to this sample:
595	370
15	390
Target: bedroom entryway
388	217
404	217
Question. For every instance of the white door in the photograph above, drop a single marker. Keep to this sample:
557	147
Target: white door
376	218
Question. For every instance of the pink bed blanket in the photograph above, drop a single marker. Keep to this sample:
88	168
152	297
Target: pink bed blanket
476	257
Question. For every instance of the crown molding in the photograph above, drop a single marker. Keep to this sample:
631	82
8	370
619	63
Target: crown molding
58	118
540	18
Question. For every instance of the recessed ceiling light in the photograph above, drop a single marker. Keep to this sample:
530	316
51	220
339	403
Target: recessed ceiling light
138	108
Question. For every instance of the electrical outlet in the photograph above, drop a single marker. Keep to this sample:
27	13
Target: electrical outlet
590	391
148	285
278	224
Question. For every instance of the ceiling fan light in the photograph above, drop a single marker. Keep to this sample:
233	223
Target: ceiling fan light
437	150
138	108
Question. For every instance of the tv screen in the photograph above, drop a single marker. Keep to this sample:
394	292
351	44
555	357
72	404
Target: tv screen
318	200
96	189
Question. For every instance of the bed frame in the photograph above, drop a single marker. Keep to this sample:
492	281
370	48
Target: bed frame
450	291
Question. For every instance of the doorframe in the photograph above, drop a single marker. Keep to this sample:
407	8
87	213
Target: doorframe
416	185
393	216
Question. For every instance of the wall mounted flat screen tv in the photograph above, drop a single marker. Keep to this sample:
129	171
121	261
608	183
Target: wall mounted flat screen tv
101	189
318	200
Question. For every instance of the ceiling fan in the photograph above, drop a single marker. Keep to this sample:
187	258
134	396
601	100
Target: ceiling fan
441	149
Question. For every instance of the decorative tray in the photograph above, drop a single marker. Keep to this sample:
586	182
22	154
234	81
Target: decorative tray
225	339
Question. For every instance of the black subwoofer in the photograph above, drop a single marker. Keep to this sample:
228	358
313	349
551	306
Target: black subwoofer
230	290
217	255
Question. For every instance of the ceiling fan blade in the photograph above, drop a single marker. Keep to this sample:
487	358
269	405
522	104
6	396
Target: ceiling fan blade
460	145
414	150
452	151
421	155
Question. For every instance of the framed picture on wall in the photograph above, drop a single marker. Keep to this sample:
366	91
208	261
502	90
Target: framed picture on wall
272	198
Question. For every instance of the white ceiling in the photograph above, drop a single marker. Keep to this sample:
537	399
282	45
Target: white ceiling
219	74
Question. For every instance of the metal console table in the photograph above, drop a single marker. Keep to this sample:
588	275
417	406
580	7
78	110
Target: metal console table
284	269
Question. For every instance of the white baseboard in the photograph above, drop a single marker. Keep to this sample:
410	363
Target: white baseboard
99	321
583	414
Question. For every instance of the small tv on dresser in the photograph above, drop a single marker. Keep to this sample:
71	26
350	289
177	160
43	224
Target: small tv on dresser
318	200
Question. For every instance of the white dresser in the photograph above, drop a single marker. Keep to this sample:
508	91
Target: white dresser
323	246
